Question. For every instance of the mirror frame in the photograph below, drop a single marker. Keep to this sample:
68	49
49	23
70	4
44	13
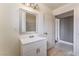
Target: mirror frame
20	20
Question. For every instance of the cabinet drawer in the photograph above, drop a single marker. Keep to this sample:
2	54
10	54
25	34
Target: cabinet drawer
34	49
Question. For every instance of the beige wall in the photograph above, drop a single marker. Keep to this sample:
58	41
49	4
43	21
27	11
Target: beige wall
9	28
8	35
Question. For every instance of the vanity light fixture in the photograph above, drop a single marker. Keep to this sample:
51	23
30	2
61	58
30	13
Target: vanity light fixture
32	5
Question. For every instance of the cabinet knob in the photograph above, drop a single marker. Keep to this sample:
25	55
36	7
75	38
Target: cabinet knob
37	50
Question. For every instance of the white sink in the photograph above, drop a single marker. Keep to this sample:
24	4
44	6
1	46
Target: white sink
25	39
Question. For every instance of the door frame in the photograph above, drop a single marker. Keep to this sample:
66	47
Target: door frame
57	35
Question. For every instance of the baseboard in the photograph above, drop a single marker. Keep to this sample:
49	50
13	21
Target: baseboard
65	42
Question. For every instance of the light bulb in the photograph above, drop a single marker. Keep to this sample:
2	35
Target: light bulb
27	4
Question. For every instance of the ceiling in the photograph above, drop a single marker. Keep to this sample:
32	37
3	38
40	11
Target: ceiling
53	6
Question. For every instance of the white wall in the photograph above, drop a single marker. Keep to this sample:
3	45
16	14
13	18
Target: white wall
76	24
45	23
48	24
9	28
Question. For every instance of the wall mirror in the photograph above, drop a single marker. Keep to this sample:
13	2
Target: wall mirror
27	21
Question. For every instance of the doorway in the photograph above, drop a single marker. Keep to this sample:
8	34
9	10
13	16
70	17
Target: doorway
64	31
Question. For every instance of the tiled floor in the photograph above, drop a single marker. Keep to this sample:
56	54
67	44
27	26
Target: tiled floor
61	49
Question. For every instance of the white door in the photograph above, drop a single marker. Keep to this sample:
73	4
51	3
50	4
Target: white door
49	29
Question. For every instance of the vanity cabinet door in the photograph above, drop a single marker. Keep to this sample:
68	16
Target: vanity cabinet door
28	50
41	49
34	49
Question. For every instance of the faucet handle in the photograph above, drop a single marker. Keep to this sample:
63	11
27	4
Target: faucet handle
31	36
45	33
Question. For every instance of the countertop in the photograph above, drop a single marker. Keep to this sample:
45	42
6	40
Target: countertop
26	40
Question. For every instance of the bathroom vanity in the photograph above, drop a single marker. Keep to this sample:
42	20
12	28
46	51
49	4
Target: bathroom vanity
31	42
33	46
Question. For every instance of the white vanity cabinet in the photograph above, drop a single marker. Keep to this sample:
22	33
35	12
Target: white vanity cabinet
30	26
38	48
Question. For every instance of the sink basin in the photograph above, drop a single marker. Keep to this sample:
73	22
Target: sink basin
25	39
